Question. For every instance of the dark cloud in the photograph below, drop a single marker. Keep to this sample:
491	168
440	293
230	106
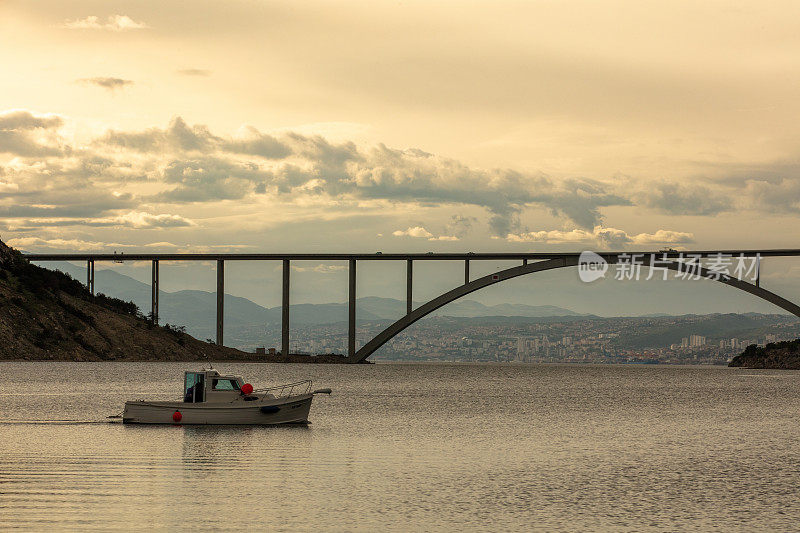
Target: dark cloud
460	225
192	165
210	178
580	200
24	134
781	195
59	189
111	84
678	199
257	143
25	120
413	175
322	152
177	137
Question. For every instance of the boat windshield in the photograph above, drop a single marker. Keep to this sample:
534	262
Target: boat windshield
224	384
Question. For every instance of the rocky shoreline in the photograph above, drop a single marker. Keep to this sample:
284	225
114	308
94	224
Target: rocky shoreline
46	315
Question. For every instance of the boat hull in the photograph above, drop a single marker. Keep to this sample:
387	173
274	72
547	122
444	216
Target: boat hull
289	410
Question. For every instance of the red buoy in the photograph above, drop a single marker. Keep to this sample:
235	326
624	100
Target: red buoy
247	388
176	416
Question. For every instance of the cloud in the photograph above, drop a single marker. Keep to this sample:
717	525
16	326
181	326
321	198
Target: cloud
194	72
8	187
257	143
20	119
780	195
137	171
162	244
112	23
206	167
178	136
142	220
26	134
416	232
459	225
36	243
210	179
602	236
664	237
133	219
111	84
678	199
69	187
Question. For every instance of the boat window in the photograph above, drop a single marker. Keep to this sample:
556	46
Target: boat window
224	384
193	389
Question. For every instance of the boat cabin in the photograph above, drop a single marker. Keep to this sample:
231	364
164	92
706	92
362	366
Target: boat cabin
210	386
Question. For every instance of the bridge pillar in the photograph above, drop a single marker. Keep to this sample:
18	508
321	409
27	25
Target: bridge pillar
90	275
285	309
409	285
220	298
466	271
351	312
154	296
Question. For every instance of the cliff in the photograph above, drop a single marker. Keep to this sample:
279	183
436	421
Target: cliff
47	315
783	355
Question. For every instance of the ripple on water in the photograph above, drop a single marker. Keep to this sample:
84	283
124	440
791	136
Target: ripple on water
410	447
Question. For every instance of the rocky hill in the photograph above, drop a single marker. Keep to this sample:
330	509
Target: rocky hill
47	315
782	355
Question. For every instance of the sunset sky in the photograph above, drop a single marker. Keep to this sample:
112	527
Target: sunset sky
400	126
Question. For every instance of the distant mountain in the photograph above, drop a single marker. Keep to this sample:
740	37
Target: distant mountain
390	308
197	309
714	326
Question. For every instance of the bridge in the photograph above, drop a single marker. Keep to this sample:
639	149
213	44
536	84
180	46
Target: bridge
529	263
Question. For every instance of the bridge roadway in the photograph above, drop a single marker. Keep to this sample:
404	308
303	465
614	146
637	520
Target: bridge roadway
543	261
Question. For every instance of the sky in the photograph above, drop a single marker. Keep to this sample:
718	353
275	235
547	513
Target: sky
400	126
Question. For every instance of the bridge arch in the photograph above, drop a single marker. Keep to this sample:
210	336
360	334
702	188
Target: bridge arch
560	262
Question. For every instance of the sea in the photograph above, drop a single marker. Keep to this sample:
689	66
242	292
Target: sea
409	447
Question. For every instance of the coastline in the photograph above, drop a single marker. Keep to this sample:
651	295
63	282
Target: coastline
784	355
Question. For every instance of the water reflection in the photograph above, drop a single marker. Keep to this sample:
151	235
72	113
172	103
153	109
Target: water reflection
419	447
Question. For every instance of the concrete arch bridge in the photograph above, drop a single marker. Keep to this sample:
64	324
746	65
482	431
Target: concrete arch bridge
690	263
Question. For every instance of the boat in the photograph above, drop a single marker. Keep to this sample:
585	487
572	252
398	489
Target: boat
212	398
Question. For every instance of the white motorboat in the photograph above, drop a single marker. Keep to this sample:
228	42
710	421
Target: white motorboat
211	398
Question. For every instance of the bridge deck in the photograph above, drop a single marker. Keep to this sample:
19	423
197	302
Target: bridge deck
379	256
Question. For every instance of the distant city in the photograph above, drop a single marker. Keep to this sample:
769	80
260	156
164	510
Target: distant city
665	340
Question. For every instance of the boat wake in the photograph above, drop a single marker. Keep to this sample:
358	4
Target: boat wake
10	422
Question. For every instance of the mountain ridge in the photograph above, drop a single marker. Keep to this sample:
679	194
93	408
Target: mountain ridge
184	303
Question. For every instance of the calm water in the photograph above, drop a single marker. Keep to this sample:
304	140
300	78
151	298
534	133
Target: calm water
410	447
